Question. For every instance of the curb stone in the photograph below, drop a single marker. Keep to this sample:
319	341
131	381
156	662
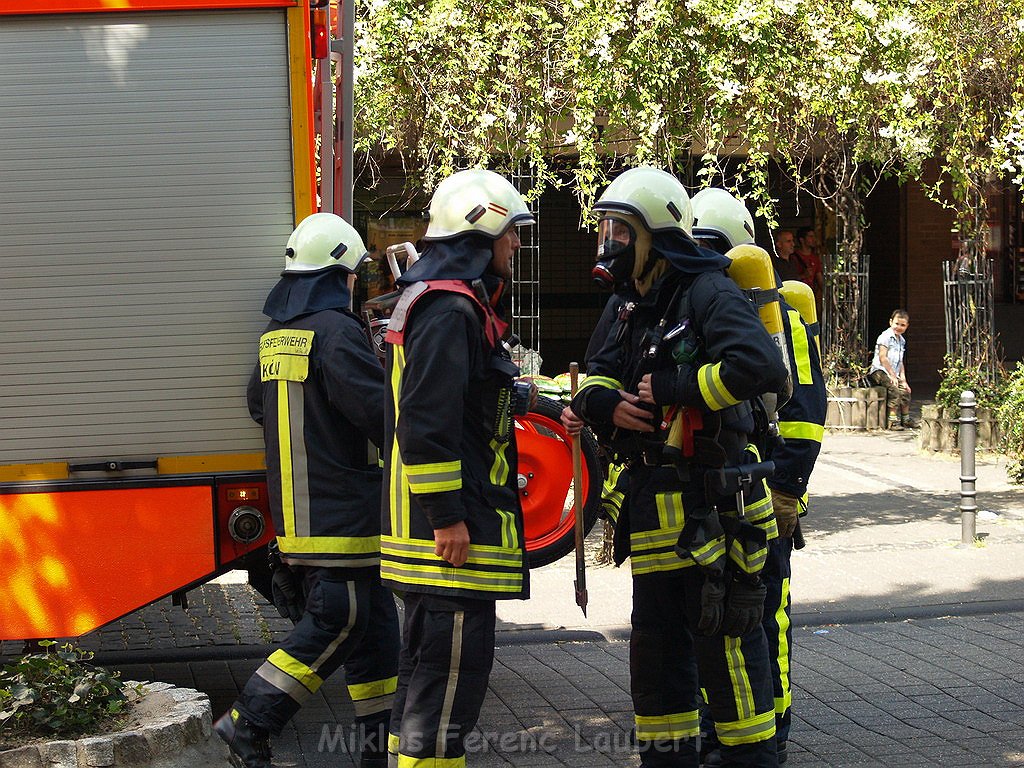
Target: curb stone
179	738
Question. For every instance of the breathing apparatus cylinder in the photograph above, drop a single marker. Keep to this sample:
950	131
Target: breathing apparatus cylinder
752	271
800	296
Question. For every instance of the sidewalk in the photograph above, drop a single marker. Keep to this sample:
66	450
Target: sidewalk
909	650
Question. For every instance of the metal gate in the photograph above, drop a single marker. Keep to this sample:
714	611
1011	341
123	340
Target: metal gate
968	291
844	327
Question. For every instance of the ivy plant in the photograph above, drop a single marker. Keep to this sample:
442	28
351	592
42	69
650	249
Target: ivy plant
57	692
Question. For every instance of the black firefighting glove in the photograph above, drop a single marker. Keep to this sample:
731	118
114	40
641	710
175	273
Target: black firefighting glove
287	593
744	607
712	606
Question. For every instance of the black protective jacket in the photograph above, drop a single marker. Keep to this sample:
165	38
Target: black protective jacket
802	418
450	451
721	357
318	391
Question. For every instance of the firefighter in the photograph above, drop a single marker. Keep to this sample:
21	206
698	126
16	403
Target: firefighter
722	222
452	532
692	348
318	391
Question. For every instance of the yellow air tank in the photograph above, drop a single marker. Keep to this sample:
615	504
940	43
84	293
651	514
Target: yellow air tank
752	270
801	298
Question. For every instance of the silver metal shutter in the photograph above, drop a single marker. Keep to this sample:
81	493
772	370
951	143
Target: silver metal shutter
145	199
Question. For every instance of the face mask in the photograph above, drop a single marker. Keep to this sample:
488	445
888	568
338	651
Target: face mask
616	253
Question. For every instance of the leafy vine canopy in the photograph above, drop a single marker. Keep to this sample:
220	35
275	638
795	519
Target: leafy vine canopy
829	88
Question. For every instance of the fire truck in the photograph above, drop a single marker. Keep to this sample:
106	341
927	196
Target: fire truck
155	155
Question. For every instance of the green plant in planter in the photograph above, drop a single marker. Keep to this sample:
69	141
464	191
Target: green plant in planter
958	376
842	370
1011	421
57	692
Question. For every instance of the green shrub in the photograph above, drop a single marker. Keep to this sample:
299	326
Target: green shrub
958	376
57	693
1011	423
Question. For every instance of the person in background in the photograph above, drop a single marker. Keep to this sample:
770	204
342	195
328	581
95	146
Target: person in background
318	390
807	252
889	370
787	264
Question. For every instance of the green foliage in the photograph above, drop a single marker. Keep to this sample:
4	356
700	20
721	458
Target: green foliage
958	376
1011	423
57	693
843	368
840	92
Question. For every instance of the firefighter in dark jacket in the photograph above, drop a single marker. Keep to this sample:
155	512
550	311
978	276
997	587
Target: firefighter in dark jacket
318	391
722	222
685	359
452	531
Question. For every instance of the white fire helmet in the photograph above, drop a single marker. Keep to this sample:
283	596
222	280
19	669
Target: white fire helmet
657	197
476	200
323	241
719	214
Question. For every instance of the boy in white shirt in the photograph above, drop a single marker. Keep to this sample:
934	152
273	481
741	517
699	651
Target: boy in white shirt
888	369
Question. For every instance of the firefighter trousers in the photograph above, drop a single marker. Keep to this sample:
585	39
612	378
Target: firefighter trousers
665	657
350	618
778	630
447	654
779	634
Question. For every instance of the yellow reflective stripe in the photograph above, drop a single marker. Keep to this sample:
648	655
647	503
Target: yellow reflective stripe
658	562
296	669
434	477
404	761
481	554
604	382
499	467
399	490
284	448
681	725
743	696
509	538
747	730
799	344
801	430
393	740
341	545
670	509
755	509
782	621
361	691
751	562
641	540
710	552
452	578
712	390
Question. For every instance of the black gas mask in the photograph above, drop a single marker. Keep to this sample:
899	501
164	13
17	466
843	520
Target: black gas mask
616	253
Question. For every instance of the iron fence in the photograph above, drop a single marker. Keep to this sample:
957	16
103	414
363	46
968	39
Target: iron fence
968	292
844	326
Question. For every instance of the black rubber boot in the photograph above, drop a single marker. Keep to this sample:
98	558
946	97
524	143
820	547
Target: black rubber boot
248	742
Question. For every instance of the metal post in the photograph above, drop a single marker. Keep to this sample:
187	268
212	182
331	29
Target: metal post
968	492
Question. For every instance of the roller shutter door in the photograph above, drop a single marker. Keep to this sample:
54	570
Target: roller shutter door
145	199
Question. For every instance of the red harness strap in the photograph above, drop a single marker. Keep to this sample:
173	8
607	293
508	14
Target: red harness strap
494	327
